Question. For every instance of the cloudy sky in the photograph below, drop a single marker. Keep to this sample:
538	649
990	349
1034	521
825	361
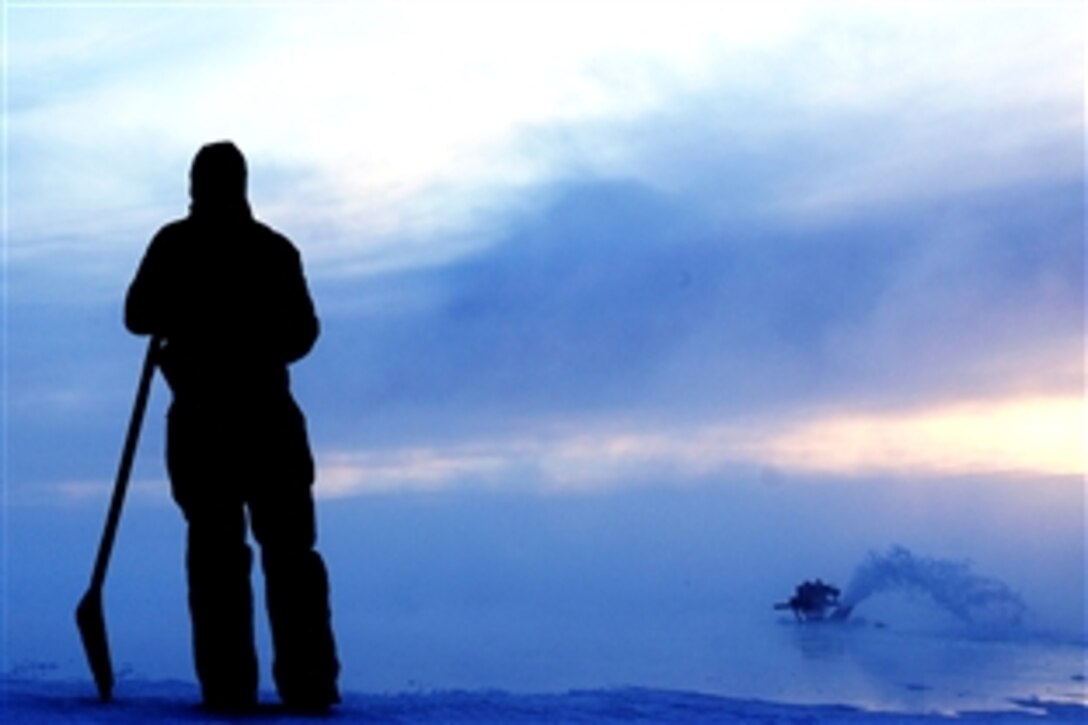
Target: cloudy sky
574	245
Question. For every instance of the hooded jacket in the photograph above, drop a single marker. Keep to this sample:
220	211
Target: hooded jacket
226	293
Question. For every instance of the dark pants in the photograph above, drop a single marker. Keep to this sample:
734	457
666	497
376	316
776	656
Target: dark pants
225	464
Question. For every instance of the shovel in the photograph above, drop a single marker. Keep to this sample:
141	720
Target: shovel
89	615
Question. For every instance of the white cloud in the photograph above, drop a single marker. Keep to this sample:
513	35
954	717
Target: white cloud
88	492
399	135
407	118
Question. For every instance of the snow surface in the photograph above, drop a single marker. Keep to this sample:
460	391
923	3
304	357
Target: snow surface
647	604
37	701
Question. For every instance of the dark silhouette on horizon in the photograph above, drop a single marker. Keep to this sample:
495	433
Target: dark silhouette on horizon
228	297
815	601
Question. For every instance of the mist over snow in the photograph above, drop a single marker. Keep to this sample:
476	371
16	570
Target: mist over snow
972	598
647	586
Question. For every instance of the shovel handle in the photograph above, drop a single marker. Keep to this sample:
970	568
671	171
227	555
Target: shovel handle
128	453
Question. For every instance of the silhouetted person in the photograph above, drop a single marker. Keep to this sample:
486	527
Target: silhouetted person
228	297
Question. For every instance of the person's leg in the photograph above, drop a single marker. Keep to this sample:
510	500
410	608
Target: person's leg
221	606
297	597
218	562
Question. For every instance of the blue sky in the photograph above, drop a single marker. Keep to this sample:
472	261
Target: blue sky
575	247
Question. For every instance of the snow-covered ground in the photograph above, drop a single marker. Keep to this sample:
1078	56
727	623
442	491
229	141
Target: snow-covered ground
651	604
39	701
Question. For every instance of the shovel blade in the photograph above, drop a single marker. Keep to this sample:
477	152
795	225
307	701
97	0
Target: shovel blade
92	630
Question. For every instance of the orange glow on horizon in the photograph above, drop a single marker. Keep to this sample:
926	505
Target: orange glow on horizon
1037	436
1030	435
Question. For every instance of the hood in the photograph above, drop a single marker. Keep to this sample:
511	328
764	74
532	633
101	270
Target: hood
217	181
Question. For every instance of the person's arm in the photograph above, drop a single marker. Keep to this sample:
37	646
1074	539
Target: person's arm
299	325
145	312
